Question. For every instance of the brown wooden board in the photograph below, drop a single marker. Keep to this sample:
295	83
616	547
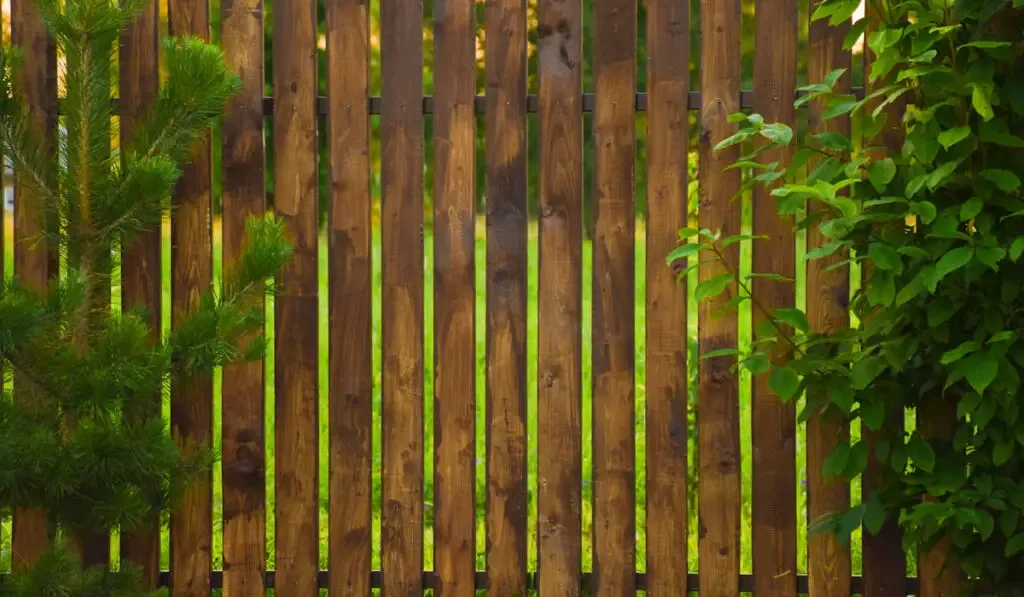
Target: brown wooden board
454	297
31	260
614	272
774	421
296	350
827	310
559	374
718	484
242	452
940	574
351	381
507	218
402	296
668	77
192	399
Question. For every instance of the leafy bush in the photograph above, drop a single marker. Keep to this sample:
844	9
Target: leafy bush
929	204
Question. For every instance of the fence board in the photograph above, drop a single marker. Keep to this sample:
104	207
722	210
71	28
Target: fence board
351	381
244	461
940	575
507	217
560	296
827	310
454	296
613	334
668	77
402	296
192	399
773	421
296	337
718	486
31	259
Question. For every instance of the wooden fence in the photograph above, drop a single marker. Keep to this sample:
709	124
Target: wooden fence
294	109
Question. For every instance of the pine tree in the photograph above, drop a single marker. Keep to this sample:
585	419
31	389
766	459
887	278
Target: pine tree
81	435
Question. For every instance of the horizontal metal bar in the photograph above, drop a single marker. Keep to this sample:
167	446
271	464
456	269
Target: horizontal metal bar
431	581
747	102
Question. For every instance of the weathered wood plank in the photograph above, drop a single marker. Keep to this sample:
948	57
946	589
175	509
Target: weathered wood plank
402	296
454	296
940	574
827	310
296	310
668	77
614	272
244	461
718	406
507	218
559	49
351	381
774	421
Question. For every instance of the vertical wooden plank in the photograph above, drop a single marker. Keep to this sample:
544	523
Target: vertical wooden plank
242	422
827	310
774	422
507	219
614	271
31	260
140	261
559	374
351	381
296	346
402	296
192	399
668	78
454	296
940	575
718	403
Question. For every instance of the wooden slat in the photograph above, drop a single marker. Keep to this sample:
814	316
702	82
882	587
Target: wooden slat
31	261
614	271
827	310
454	296
402	296
242	424
507	218
668	77
192	399
351	381
718	409
296	467
774	421
559	365
140	261
939	573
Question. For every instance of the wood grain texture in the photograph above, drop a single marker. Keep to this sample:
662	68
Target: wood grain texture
827	310
296	309
774	421
242	452
192	399
507	217
402	297
668	77
613	329
718	407
140	260
940	574
560	351
30	529
351	381
454	297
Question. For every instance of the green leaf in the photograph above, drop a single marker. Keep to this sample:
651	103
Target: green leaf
835	463
1005	180
885	257
925	209
682	252
872	414
984	523
939	312
784	382
853	35
858	461
982	371
865	371
959	352
757	363
850	522
686	233
793	317
840	393
833	77
1015	545
881	289
1017	248
971	208
881	173
991	256
777	133
985	44
1002	453
874	515
953	260
712	287
721	352
922	454
1009	521
980	101
834	141
951	137
734	139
